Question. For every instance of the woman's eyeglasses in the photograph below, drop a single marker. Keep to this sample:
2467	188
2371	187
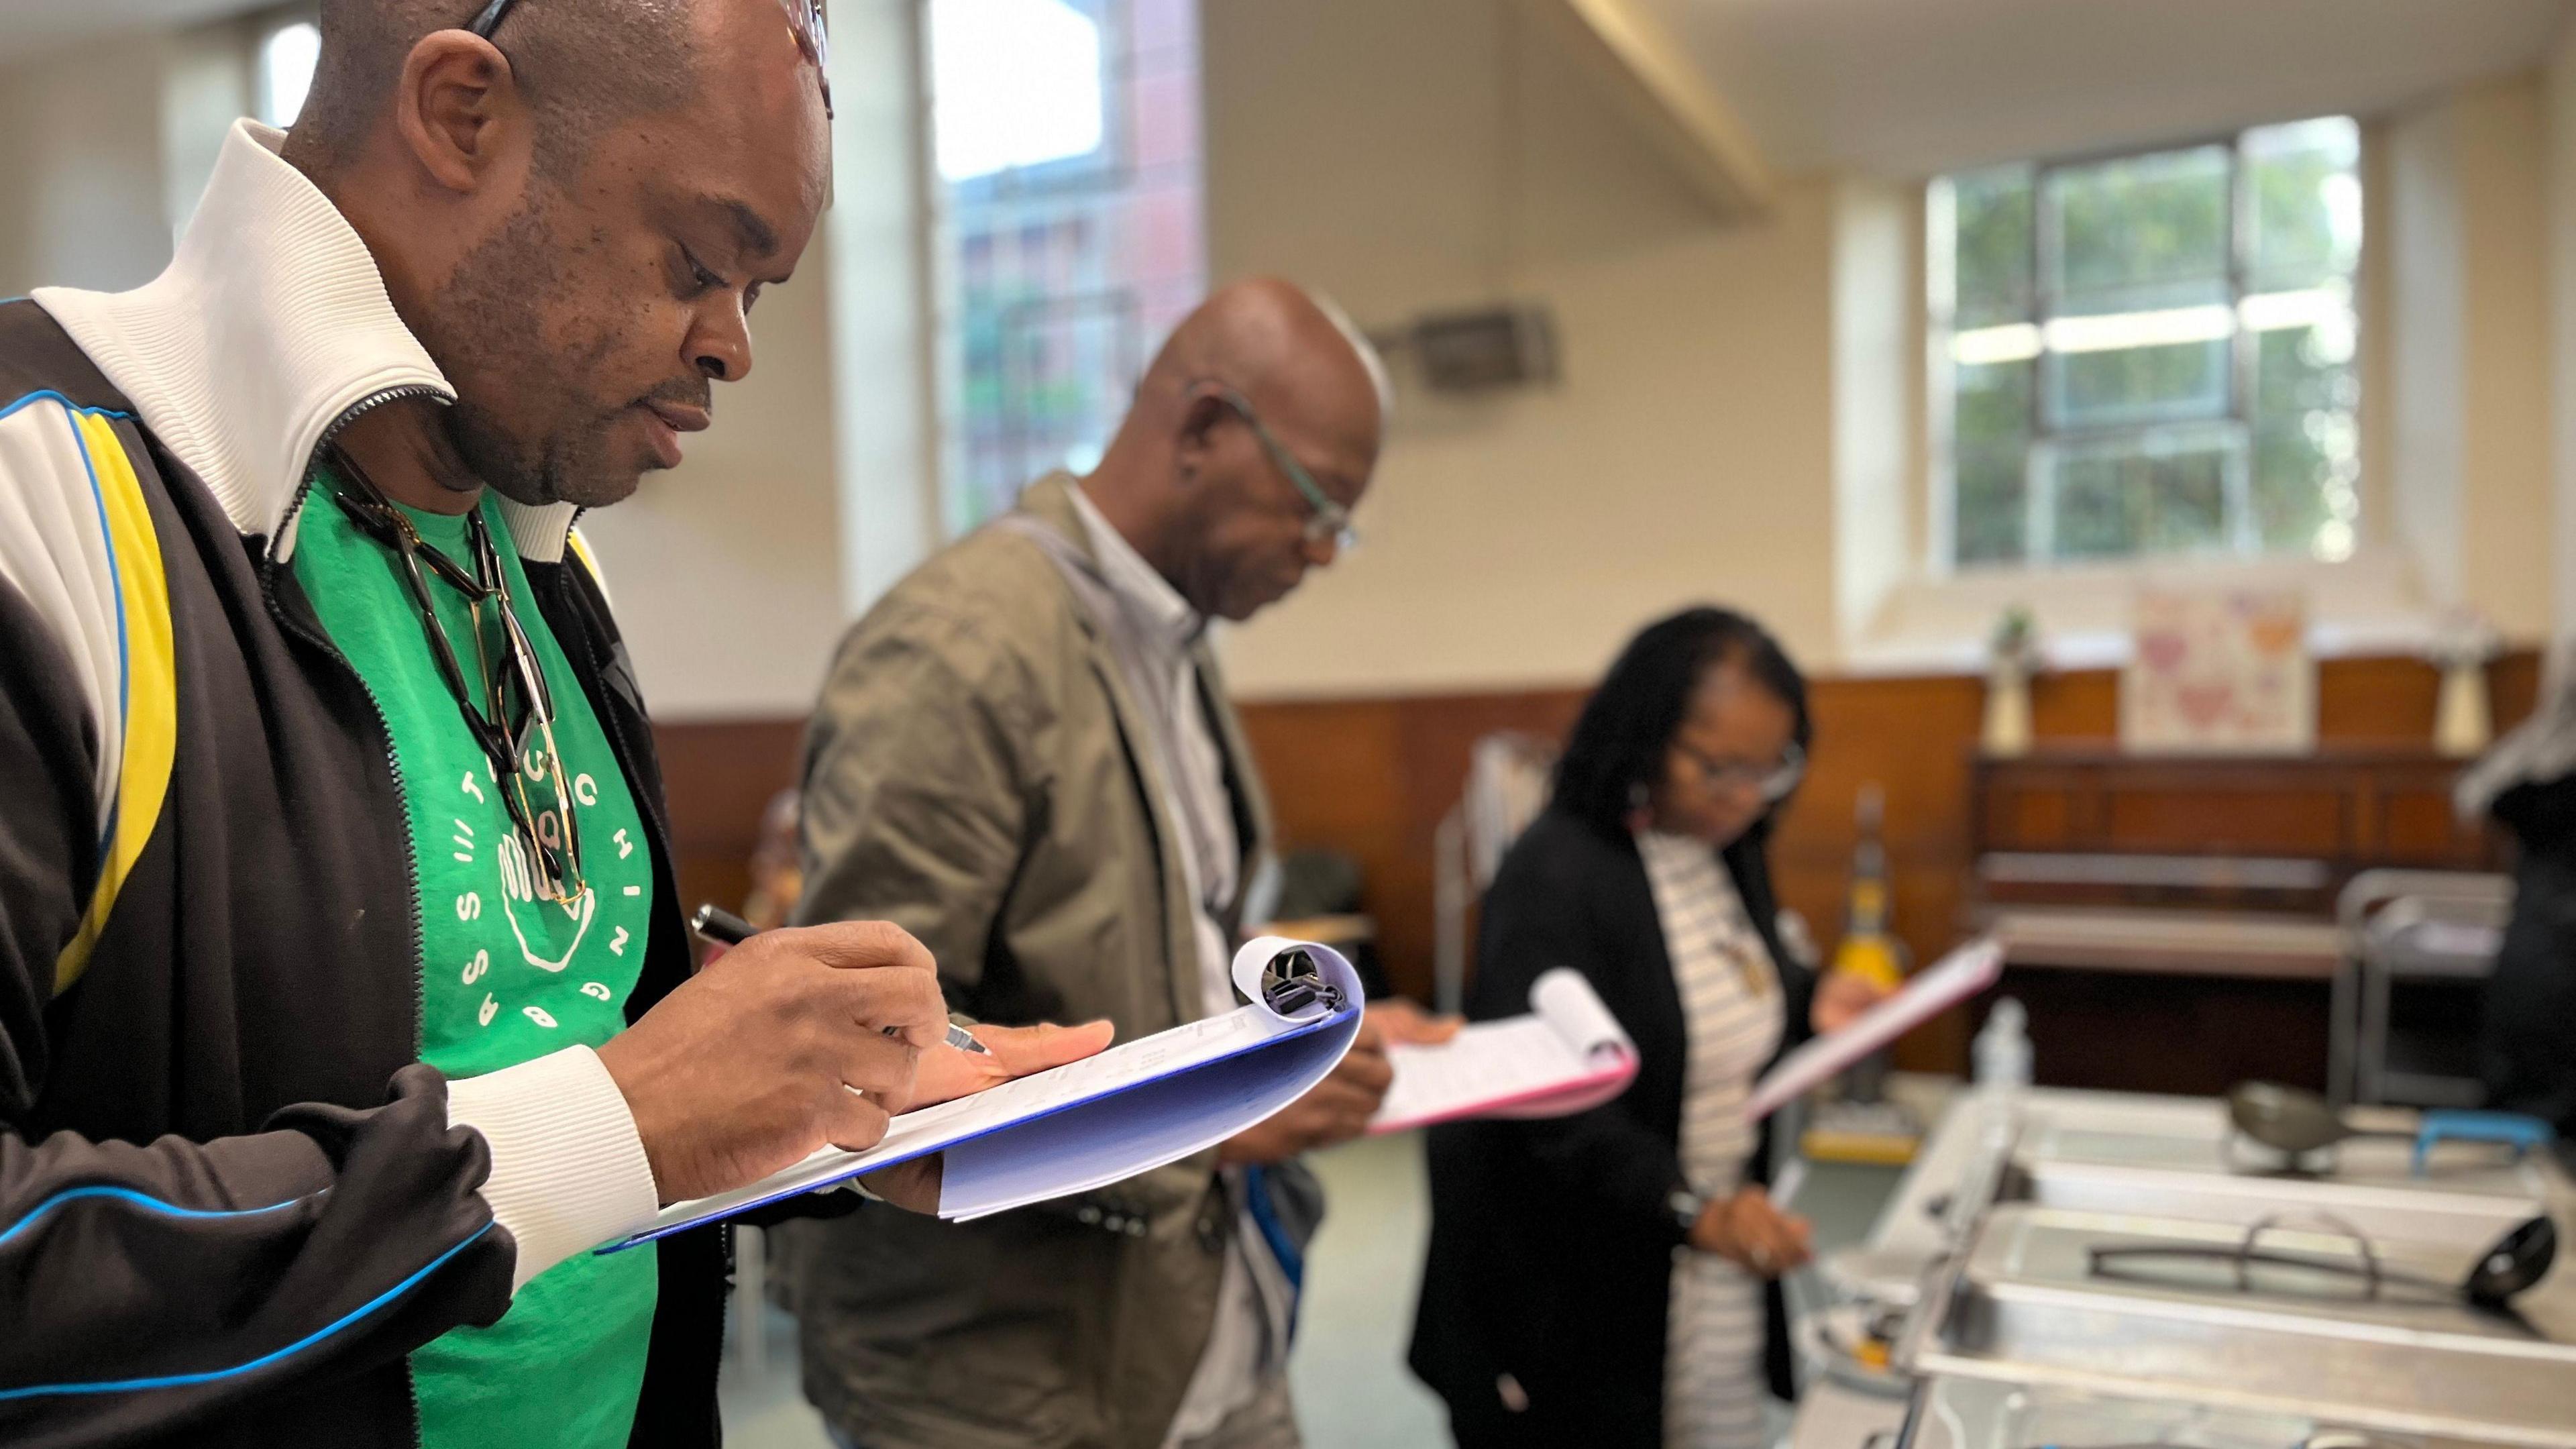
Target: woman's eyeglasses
1774	781
805	17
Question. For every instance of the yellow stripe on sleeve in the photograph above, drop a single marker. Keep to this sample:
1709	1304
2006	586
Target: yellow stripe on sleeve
149	685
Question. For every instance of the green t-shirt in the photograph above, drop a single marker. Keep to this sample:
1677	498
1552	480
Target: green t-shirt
506	975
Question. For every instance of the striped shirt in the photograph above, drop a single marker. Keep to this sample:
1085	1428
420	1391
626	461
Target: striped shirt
1731	1011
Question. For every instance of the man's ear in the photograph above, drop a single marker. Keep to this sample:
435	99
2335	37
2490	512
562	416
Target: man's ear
457	108
1192	441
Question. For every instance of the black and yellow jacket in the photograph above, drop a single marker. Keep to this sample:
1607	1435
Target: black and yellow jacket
231	1200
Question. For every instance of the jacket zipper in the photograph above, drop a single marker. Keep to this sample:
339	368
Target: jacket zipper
321	640
411	864
384	726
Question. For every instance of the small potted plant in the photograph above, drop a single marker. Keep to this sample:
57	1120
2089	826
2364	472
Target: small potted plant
2463	642
2012	657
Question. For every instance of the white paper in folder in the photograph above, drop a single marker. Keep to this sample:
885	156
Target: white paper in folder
1929	992
1568	1055
1093	1122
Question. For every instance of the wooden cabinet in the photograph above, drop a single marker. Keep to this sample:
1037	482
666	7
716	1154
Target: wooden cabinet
2353	808
2169	921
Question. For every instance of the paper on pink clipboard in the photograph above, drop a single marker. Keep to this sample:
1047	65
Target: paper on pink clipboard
1567	1055
1582	1096
1953	979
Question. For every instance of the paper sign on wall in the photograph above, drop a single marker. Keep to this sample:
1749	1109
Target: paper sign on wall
2220	673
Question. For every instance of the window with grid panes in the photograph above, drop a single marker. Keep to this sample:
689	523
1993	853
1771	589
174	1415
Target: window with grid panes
2151	354
1068	236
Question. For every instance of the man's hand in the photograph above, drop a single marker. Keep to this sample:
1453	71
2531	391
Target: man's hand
947	1073
765	1054
1841	998
1340	1106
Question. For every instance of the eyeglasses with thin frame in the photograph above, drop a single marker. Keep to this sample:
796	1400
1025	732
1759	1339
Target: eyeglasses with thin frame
805	17
517	709
1325	519
1775	781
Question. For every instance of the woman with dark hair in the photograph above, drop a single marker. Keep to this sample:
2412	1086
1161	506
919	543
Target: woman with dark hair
1600	1279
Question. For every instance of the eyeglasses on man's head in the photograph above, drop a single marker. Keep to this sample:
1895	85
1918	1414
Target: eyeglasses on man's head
805	17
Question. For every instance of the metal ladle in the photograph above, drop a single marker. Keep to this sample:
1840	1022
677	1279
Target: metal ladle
2511	1265
2290	1120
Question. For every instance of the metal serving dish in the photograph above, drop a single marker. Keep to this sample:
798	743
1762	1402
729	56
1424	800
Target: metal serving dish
2022	1304
2193	1138
1980	1414
2427	1211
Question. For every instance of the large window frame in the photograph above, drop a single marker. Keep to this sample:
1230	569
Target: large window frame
2044	333
1033	371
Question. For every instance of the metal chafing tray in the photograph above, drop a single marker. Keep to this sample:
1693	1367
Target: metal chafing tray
2020	1302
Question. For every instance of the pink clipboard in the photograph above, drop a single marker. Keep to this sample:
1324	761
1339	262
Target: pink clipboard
1567	1055
1953	979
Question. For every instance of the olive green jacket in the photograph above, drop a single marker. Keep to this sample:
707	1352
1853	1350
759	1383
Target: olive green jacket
978	774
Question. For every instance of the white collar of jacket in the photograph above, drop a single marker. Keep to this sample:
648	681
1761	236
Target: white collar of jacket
269	327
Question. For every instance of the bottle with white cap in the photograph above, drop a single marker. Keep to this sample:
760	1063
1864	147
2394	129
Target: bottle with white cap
2001	1055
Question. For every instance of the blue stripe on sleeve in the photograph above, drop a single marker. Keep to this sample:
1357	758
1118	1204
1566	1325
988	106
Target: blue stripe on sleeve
172	1381
49	395
144	1201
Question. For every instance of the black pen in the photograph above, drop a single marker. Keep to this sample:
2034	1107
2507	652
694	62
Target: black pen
727	929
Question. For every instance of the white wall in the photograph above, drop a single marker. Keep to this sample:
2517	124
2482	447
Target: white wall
2468	351
726	572
1413	156
81	177
2426	344
735	574
1878	372
2560	199
881	354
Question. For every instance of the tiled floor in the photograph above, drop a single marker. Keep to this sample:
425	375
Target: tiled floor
1352	1388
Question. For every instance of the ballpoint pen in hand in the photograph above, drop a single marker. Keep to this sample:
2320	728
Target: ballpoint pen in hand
727	929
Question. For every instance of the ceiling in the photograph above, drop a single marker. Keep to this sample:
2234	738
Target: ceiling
1910	87
37	26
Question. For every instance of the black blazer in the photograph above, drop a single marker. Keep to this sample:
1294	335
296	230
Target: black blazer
1552	1241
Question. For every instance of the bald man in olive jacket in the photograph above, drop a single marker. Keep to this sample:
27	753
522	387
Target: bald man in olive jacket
1024	756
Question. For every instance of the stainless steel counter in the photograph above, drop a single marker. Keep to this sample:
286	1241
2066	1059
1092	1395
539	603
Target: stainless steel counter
1989	1236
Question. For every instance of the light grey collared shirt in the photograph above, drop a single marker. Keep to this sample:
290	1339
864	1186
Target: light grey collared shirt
1248	1342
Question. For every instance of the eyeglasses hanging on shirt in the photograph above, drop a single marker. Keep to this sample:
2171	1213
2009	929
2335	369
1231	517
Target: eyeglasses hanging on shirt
514	725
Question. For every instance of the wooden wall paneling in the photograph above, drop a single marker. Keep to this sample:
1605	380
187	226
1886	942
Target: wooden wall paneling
1908	735
1373	776
2513	687
2071	706
2111	1031
2376	701
1333	777
2421	825
719	776
2184	821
